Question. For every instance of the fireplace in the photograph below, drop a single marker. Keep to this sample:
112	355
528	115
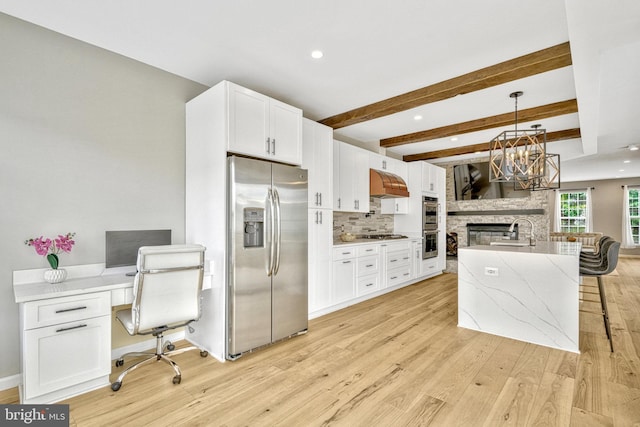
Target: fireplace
484	233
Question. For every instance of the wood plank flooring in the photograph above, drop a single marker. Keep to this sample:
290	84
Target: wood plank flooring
397	360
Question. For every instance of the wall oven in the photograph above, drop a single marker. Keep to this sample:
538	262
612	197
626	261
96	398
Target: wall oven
430	244
430	209
430	223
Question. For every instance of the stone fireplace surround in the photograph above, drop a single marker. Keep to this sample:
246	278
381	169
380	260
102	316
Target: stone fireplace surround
535	207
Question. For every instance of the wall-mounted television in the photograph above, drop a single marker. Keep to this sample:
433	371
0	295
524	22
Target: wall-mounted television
472	183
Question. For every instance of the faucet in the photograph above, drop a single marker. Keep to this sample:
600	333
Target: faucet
532	240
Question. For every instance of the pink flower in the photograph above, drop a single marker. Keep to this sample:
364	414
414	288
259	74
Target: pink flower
50	248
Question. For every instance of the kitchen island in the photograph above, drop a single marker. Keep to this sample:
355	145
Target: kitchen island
528	293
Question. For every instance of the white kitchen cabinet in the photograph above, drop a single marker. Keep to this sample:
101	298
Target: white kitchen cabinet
344	277
320	250
66	346
388	164
395	206
368	269
317	158
263	127
351	178
433	177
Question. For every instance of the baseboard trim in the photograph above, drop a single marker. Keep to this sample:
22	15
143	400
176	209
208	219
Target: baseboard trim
10	382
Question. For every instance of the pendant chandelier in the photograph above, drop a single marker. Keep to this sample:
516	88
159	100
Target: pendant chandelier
520	156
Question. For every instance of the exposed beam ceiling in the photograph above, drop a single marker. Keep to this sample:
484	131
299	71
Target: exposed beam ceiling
469	149
505	119
524	66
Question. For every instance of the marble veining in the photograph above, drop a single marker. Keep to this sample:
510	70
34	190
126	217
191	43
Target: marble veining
529	294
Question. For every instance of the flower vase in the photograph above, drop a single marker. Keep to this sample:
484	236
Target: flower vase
56	275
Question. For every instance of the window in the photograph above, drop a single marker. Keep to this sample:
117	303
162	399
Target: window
574	212
634	214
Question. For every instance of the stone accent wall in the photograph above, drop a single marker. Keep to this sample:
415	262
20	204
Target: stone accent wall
458	223
358	223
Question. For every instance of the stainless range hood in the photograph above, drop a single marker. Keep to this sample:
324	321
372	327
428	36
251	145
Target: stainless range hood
384	184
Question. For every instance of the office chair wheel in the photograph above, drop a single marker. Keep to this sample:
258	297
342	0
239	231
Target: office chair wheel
204	353
171	347
177	379
116	386
119	363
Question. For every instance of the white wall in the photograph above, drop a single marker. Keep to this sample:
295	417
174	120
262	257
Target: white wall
90	141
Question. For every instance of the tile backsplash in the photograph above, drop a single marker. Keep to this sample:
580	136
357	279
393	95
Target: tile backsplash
358	223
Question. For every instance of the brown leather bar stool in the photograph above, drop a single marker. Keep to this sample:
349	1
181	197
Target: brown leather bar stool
609	261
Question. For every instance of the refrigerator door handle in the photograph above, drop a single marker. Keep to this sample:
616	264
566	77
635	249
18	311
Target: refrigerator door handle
277	232
271	235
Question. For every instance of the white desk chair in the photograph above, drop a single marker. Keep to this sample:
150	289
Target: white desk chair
166	295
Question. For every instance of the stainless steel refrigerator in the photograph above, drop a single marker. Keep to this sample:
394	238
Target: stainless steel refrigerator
267	254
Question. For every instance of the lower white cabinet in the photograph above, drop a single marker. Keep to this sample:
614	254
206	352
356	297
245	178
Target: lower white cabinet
343	283
66	346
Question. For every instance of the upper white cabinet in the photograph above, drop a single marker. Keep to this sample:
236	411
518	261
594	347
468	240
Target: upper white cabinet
351	178
263	127
432	177
388	164
317	158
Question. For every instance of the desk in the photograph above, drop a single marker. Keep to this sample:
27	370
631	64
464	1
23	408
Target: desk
66	330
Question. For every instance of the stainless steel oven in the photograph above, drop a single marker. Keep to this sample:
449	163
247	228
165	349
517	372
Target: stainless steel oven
430	244
430	209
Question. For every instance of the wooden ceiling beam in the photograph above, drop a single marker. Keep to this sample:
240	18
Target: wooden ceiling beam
552	58
501	120
561	135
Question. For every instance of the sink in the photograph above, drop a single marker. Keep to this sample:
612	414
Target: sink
510	243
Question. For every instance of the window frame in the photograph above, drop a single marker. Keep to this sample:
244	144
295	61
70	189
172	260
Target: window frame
634	195
577	203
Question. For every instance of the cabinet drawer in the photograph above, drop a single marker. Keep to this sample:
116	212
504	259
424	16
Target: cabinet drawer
397	246
368	265
429	266
399	275
398	259
367	284
344	253
367	250
54	311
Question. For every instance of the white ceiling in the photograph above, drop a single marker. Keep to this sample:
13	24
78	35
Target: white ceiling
376	49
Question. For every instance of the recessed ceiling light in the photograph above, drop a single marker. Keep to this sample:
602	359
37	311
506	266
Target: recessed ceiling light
627	161
620	170
417	117
633	147
317	54
454	139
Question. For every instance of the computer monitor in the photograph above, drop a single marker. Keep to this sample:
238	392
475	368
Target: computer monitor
122	246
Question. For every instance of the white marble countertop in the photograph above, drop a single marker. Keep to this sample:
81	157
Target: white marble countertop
29	286
373	241
541	247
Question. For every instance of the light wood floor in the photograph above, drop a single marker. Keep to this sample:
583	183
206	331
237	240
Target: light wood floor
397	360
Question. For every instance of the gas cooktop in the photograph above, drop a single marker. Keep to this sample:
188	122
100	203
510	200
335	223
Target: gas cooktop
383	236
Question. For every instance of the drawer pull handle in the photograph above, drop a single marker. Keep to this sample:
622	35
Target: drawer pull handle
84	307
72	327
394	277
405	274
369	284
346	253
393	260
369	250
406	257
346	262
